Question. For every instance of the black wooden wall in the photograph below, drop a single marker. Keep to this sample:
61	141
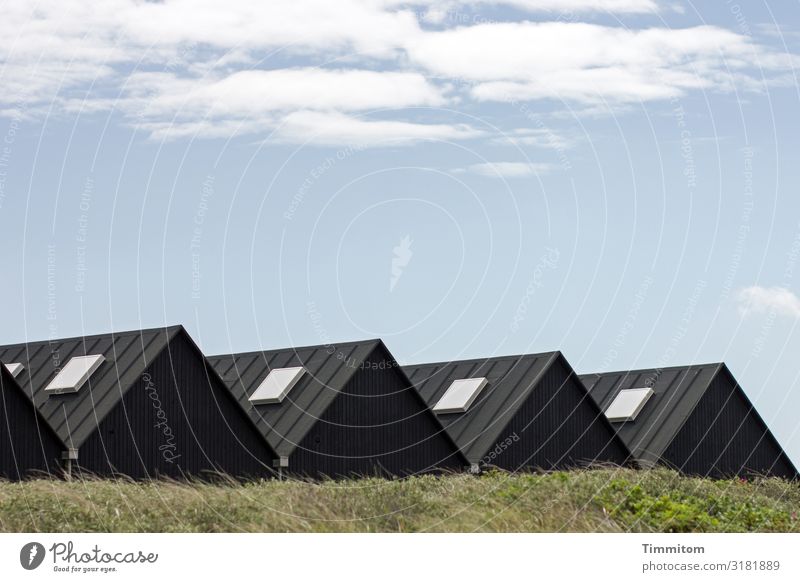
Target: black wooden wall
27	445
558	427
377	425
724	437
210	431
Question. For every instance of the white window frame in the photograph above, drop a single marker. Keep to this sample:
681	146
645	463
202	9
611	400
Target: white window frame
63	384
621	411
453	401
274	388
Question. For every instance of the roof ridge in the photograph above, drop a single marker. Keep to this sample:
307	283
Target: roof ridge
170	329
296	348
664	369
485	359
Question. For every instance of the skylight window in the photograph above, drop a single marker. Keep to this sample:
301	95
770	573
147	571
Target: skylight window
460	395
74	374
15	368
276	385
628	404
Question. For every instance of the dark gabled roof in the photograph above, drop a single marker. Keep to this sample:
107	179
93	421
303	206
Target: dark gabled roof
676	392
73	417
510	381
328	370
8	383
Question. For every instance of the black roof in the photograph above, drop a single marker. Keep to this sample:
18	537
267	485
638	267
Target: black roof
510	381
8	383
676	392
73	417
328	370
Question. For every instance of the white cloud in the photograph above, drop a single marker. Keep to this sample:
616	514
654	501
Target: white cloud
587	62
290	25
441	7
202	67
199	68
204	128
768	299
58	44
312	128
541	137
254	92
295	105
508	169
294	25
615	6
335	128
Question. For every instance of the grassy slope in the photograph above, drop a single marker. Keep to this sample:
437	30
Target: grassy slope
597	500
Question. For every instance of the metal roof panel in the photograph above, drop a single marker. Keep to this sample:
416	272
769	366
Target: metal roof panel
328	369
676	392
73	417
510	380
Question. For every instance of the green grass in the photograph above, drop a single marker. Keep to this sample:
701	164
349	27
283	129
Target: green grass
596	500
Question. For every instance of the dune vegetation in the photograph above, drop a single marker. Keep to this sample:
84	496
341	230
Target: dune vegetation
591	500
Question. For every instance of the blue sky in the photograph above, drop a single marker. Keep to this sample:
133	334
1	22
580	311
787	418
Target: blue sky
615	179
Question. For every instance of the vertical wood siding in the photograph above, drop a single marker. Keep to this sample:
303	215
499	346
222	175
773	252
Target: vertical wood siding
27	447
176	420
557	427
377	425
724	437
